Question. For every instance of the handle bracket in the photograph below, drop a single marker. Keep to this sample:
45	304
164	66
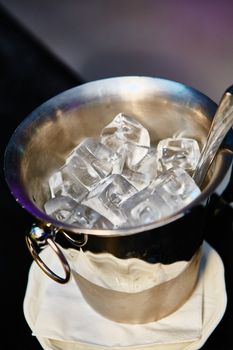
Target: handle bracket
39	237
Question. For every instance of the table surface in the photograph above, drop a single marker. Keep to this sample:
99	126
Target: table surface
30	75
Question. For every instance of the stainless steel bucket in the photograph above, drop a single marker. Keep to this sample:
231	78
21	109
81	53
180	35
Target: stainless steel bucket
43	140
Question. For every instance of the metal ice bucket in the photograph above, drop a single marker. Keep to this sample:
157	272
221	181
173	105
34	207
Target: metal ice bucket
43	140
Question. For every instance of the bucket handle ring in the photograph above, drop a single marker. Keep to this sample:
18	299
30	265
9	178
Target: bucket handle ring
38	236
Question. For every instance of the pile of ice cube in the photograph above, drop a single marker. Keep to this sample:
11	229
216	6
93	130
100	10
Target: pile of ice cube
120	180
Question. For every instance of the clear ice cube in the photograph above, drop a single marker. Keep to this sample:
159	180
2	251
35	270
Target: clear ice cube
56	184
72	187
148	164
91	161
145	207
124	129
138	180
182	152
118	179
143	172
176	187
83	216
60	207
62	183
166	194
108	197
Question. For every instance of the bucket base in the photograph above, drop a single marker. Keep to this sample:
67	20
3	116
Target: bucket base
76	324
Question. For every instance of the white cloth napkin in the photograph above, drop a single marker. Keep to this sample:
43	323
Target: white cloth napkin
59	314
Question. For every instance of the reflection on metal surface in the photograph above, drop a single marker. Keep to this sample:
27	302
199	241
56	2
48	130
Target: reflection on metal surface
147	305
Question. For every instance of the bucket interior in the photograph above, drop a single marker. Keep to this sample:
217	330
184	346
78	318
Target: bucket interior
45	138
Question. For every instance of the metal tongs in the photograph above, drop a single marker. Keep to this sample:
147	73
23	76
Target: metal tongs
221	124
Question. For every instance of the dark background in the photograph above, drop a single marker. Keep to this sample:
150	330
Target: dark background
29	75
187	41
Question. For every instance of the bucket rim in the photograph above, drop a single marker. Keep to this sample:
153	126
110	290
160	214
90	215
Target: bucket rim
26	203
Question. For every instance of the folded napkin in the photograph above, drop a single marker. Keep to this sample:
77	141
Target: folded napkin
61	319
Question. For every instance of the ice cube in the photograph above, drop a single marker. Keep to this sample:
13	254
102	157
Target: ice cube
60	207
182	152
166	194
62	183
56	184
72	187
176	187
108	197
142	173
148	164
124	129
145	207
83	216
138	180
91	161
